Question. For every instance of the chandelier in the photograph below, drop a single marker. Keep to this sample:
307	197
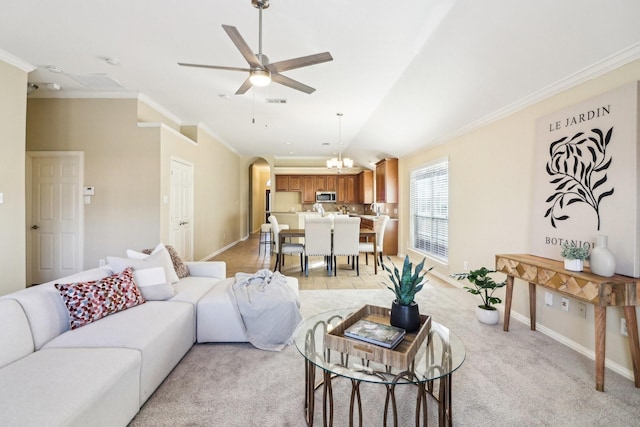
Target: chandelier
338	163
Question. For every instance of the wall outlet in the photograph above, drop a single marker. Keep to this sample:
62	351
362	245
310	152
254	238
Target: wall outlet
564	303
465	266
582	310
101	262
623	326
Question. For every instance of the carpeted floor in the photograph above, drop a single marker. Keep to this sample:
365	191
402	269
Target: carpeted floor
510	378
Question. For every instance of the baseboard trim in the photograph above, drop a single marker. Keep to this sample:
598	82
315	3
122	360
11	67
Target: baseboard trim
616	367
219	251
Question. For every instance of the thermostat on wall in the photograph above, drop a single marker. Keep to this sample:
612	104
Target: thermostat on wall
89	191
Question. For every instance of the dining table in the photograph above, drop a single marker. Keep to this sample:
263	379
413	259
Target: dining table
290	233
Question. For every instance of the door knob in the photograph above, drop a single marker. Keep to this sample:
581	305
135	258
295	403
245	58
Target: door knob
34	227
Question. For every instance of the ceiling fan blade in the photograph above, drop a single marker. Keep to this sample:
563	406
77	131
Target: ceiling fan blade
286	81
215	67
245	87
303	61
243	47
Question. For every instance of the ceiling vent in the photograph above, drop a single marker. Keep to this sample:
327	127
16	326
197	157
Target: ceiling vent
97	81
276	101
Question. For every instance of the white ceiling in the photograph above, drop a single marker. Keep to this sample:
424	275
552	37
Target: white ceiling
405	74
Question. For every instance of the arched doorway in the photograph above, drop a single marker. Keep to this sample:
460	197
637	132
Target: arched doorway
259	193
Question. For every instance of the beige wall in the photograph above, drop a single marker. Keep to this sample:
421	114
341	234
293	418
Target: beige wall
490	181
129	166
122	162
13	105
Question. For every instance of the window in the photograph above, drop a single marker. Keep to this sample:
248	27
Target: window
429	209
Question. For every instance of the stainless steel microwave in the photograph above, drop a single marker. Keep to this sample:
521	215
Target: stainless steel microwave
325	196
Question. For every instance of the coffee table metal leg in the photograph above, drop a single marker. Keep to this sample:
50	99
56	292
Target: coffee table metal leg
327	397
355	397
309	391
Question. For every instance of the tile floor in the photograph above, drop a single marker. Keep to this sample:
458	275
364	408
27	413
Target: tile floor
244	257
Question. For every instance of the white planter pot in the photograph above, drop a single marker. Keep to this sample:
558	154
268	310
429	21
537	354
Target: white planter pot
489	317
573	264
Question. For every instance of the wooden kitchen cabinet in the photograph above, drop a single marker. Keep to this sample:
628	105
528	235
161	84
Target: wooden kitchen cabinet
321	183
331	182
390	243
282	182
295	183
387	181
347	189
365	187
309	189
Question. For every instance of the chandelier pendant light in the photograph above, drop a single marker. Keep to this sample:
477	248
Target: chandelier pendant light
338	163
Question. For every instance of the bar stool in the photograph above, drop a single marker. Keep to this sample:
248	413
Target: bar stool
266	238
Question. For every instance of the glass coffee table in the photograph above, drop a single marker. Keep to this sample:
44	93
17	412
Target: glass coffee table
438	357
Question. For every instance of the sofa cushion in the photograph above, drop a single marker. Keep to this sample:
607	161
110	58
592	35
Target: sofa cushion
71	387
161	331
91	301
15	335
47	314
178	265
153	284
166	259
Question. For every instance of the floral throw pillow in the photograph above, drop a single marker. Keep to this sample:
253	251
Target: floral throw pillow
91	301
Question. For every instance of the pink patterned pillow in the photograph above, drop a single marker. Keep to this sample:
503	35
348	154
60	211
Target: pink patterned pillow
90	301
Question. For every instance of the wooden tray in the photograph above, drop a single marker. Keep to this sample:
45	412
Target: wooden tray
400	357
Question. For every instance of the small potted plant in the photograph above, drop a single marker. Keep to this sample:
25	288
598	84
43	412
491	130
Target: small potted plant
485	286
574	255
405	313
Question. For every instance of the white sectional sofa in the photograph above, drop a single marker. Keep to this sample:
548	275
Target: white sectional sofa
100	374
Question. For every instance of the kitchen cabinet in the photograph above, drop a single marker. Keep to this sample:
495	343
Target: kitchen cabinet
282	182
365	187
387	181
346	191
390	242
321	183
295	183
309	189
331	182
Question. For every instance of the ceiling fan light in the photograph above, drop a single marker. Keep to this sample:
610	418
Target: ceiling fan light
260	77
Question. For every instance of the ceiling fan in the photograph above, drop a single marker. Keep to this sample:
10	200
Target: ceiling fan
261	72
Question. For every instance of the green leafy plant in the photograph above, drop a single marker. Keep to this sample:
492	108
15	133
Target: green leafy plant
573	251
483	285
407	285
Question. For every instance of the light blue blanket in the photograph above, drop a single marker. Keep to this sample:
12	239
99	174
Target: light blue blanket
269	308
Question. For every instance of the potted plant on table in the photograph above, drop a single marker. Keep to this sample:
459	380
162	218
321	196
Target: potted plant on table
485	286
574	256
405	313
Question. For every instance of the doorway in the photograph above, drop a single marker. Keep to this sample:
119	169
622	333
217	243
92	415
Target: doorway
55	214
181	208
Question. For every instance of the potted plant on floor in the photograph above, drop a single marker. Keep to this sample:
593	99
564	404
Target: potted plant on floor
485	286
405	313
574	256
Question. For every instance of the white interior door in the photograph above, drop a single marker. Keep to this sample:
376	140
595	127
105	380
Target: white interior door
55	213
182	208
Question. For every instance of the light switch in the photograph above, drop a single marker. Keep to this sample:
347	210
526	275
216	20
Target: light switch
87	200
548	298
1	198
89	191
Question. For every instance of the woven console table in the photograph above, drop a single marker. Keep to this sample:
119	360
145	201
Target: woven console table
602	292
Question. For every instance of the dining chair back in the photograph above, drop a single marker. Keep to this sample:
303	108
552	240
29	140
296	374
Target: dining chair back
287	248
317	240
367	247
346	238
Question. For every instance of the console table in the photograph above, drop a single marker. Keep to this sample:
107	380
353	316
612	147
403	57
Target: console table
585	286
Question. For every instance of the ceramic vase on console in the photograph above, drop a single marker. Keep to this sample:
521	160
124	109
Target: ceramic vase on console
601	260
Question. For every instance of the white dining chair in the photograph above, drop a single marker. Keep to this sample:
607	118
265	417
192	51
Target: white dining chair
317	240
367	247
287	248
346	239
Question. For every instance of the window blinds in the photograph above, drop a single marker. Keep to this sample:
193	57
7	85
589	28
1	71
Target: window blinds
429	217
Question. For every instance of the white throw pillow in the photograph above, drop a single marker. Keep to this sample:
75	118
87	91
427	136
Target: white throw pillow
172	276
153	284
161	290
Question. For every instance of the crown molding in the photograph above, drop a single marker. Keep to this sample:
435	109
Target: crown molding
16	62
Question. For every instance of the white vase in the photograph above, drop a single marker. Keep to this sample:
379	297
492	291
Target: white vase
573	264
489	317
601	260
